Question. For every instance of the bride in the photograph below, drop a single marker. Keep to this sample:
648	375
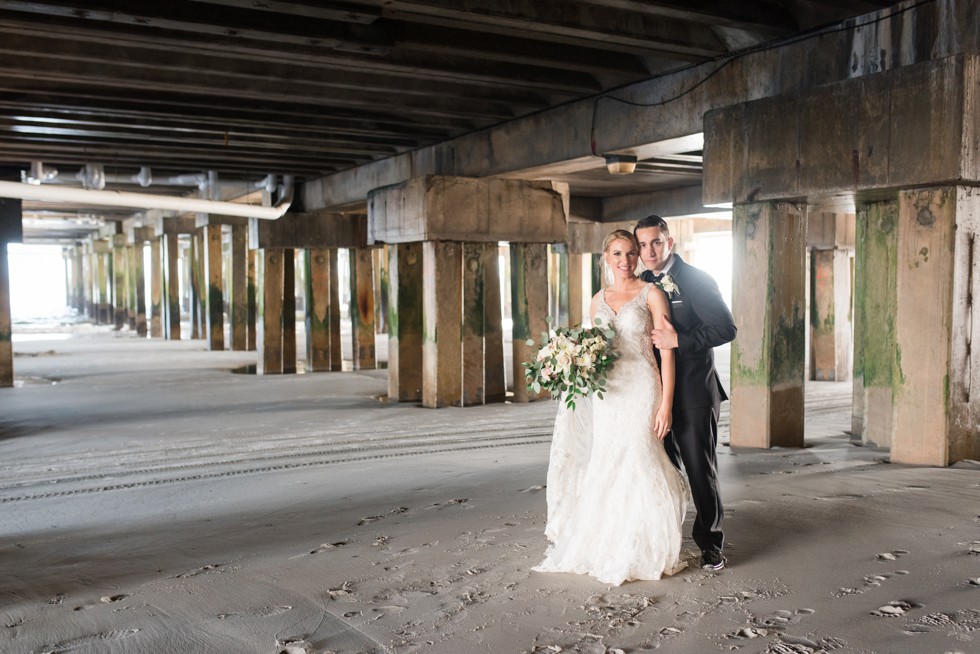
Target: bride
616	503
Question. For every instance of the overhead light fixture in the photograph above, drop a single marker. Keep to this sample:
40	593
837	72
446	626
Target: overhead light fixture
620	164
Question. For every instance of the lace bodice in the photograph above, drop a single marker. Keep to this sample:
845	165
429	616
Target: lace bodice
632	325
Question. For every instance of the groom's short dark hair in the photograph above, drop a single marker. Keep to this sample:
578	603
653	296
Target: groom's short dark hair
652	220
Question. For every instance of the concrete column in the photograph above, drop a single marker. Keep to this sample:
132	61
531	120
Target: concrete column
289	311
875	303
482	337
78	267
381	289
239	287
495	383
269	307
119	294
362	308
131	286
597	281
171	286
139	282
405	299
215	296
442	302
830	315
768	355
935	422
195	274
6	322
575	288
529	302
156	288
103	263
321	328
251	301
336	353
85	281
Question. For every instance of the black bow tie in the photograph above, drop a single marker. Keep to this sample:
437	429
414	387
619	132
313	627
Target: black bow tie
656	277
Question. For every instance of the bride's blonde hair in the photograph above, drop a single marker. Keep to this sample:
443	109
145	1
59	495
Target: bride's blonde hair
620	235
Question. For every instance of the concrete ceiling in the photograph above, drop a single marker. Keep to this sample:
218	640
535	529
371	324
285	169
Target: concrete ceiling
305	87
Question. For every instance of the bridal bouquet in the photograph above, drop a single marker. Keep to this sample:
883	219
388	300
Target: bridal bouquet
571	363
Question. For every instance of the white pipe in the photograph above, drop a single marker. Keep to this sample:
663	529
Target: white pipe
143	200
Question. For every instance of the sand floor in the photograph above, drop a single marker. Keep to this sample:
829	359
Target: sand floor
153	501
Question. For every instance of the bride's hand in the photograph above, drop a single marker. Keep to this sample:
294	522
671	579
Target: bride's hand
662	423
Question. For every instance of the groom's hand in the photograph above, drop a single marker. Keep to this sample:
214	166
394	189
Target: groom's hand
666	338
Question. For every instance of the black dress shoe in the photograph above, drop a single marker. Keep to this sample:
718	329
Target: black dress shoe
712	560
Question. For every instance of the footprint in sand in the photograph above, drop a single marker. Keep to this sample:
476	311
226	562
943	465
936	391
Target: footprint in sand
891	556
325	547
779	620
264	612
203	570
92	639
457	502
108	599
966	621
895	609
374	518
870	581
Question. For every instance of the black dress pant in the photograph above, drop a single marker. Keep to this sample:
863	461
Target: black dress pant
692	441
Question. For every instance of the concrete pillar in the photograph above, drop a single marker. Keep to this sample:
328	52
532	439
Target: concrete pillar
442	298
195	274
251	301
768	355
935	422
140	273
102	254
362	308
6	322
830	315
482	337
269	307
529	302
289	311
156	288
381	289
239	287
576	264
214	297
495	382
85	280
405	299
875	303
323	346
119	294
131	286
171	287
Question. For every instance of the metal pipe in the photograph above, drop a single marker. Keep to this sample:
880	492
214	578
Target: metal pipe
146	201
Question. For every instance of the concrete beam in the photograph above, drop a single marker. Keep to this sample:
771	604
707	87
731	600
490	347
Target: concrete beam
669	107
671	203
166	226
463	209
898	129
206	219
309	230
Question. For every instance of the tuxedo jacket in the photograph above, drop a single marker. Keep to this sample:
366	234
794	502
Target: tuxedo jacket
703	321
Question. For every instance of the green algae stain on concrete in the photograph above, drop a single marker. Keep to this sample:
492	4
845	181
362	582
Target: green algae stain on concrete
876	296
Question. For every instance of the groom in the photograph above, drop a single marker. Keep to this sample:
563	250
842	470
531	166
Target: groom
700	321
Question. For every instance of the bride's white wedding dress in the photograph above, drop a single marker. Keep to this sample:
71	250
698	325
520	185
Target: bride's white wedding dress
616	503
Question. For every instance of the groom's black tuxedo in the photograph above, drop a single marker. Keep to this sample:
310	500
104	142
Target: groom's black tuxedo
702	321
